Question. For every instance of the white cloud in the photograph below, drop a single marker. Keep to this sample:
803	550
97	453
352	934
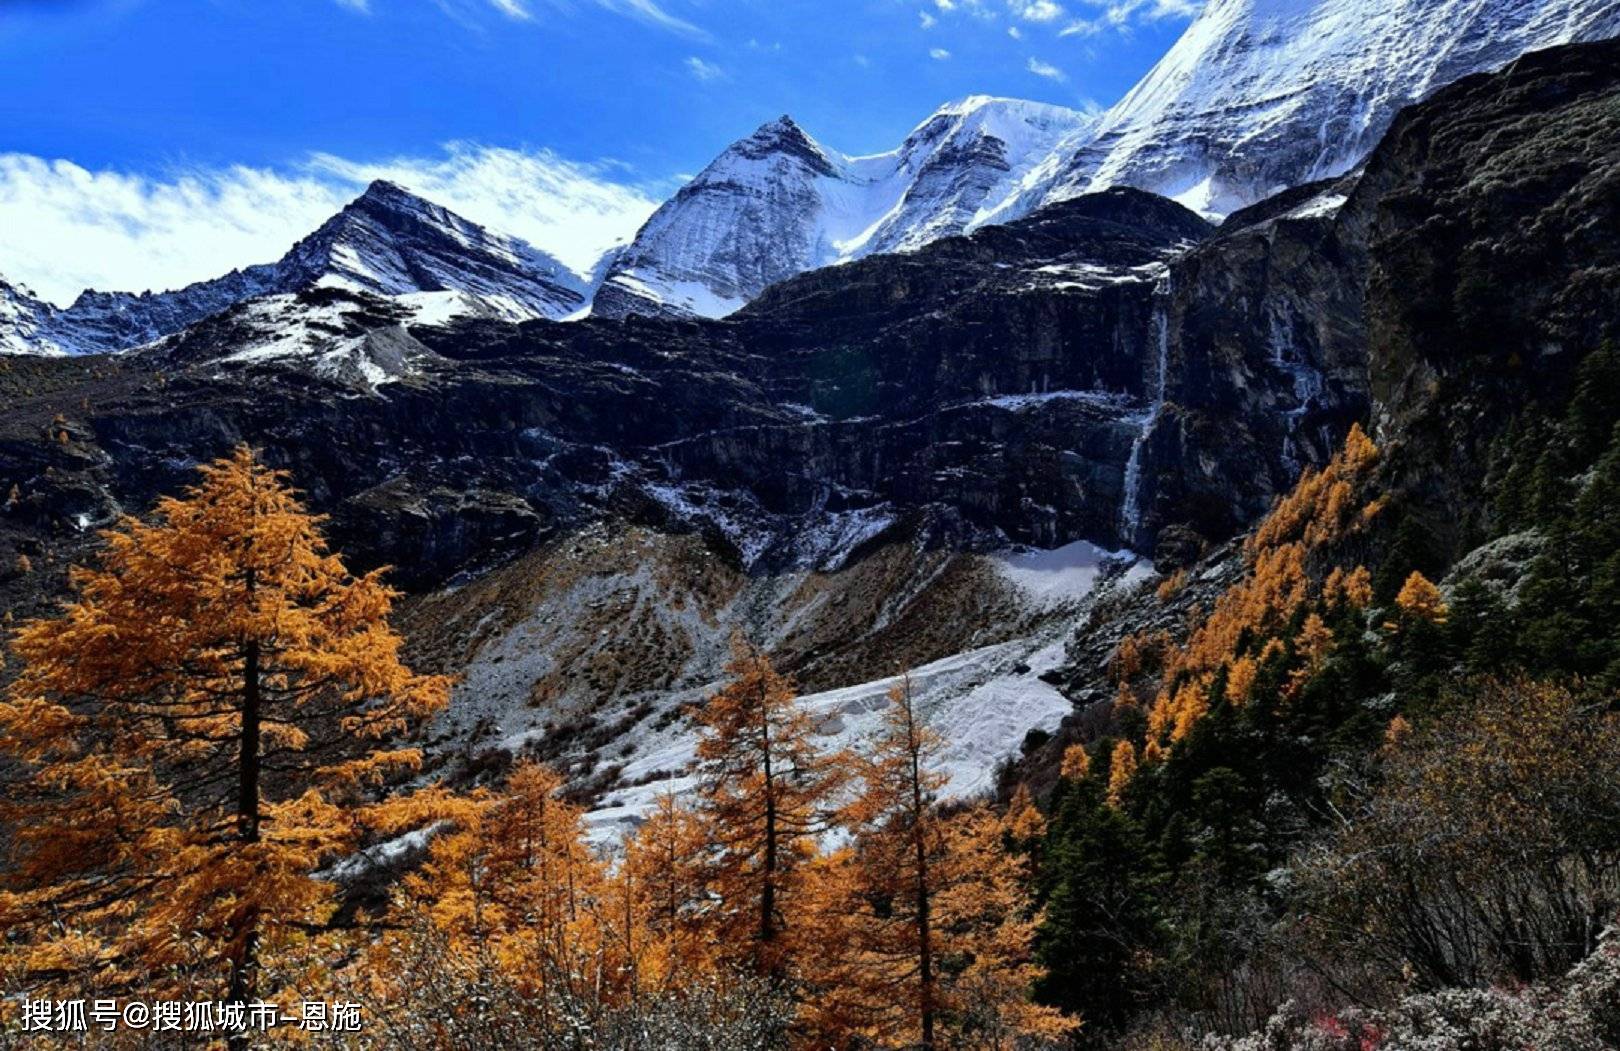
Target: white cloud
939	54
361	6
1036	10
650	12
1050	72
1015	32
976	8
1120	15
928	20
64	228
704	71
472	13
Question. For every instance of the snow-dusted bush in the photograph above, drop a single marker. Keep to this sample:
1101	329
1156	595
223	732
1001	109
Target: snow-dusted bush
1580	1012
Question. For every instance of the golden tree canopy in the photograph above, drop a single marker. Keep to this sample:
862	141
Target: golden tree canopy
191	727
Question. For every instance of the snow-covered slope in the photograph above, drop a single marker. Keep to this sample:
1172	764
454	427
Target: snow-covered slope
390	242
24	320
387	242
779	203
1261	95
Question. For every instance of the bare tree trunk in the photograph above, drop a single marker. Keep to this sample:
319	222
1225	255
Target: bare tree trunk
245	940
767	896
925	930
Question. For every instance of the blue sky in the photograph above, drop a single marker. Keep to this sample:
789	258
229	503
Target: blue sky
164	138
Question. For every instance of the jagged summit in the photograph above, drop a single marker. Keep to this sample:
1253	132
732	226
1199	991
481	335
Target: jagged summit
1256	97
23	319
778	203
386	242
1261	95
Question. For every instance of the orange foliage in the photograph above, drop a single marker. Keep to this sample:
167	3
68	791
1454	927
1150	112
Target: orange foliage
1353	588
1397	731
516	880
1314	644
1278	584
1076	763
766	791
1121	768
1240	676
192	733
1420	600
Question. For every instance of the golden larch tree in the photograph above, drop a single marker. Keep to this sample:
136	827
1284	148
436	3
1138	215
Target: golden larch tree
1121	768
935	945
1420	599
191	733
663	883
766	791
902	865
513	885
985	921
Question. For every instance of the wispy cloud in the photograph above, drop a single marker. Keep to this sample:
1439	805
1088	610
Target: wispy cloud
938	54
1121	15
472	13
704	71
1036	10
359	6
1050	72
653	14
976	8
928	20
64	228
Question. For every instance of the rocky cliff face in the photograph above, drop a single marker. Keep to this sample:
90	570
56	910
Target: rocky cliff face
1489	218
1105	370
987	390
1460	282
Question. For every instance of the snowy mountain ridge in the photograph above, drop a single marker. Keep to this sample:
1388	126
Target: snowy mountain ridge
1257	96
1261	95
24	322
387	242
778	203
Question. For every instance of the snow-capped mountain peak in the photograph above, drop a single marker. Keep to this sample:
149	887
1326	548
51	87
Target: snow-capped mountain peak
1257	96
24	321
386	242
777	203
390	242
1261	95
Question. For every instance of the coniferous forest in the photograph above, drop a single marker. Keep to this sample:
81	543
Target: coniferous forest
1341	785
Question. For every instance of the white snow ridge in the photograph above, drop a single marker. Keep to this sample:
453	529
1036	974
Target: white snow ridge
1256	97
779	203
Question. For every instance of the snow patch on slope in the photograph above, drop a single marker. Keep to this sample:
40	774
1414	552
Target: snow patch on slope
983	701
